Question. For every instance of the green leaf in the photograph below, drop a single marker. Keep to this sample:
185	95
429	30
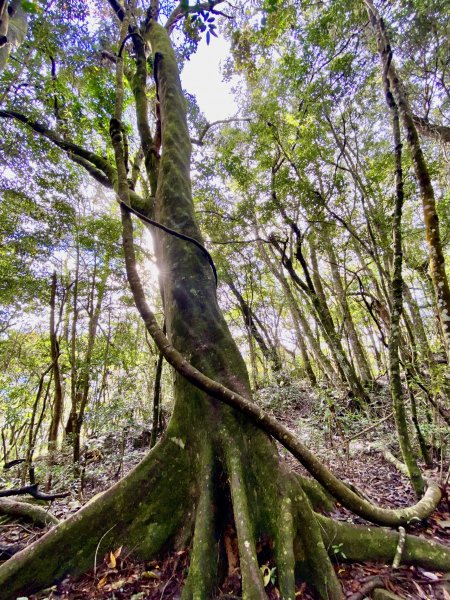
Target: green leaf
30	7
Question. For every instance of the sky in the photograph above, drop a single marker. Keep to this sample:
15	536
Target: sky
202	76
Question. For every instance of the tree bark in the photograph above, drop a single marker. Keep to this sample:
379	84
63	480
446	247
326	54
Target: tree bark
58	398
407	450
54	353
361	360
431	220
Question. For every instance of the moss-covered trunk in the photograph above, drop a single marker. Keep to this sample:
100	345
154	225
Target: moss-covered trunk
397	289
229	449
422	173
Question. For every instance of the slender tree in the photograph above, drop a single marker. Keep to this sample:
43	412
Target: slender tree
397	296
431	219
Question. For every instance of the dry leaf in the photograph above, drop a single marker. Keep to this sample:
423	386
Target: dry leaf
431	576
444	524
102	582
112	561
118	551
151	574
445	594
118	584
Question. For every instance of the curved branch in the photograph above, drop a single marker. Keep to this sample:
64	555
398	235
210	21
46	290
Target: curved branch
37	514
181	11
176	234
102	165
97	174
33	491
126	38
440	133
199	141
264	421
97	166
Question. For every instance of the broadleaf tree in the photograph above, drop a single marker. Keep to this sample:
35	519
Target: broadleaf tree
216	472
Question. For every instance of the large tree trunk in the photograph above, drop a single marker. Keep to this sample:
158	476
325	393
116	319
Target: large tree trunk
231	469
213	472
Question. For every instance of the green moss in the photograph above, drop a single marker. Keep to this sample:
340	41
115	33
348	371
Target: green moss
141	512
376	543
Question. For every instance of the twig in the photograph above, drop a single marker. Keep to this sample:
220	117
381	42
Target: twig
375	582
357	435
13	463
34	492
400	547
166	584
98	546
207	127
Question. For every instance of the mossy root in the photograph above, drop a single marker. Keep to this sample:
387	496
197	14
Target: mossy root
358	542
202	575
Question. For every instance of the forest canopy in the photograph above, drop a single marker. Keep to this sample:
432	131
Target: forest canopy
180	286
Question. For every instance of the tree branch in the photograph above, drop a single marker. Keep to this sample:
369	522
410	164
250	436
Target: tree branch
33	491
118	9
207	127
441	133
181	11
99	162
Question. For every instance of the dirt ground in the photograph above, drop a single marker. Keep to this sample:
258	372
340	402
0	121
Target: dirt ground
328	433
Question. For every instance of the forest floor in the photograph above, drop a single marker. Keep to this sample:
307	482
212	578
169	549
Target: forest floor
117	576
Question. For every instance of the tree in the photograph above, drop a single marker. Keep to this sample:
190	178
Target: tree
215	470
430	215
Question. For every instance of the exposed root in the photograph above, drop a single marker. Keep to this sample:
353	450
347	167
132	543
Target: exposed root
398	464
360	543
202	576
252	583
37	514
138	510
151	510
314	552
284	550
367	588
319	498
